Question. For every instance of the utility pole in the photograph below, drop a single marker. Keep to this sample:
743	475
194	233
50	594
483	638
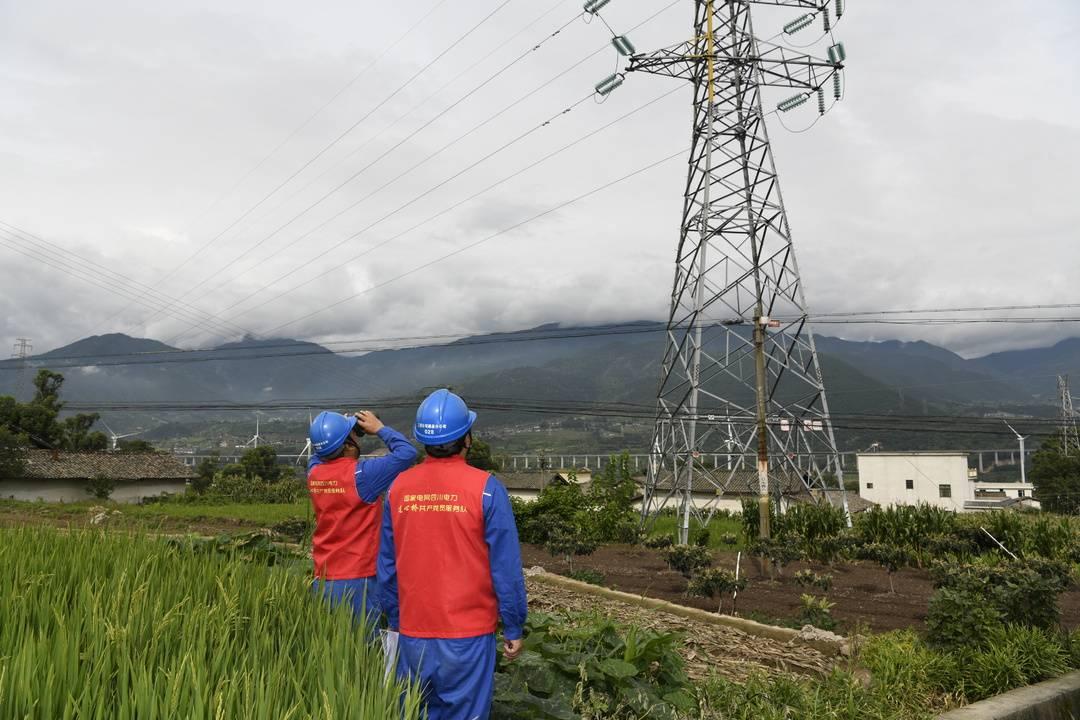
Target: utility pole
754	369
1070	439
22	349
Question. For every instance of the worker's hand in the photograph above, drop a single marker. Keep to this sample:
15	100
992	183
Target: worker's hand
512	648
369	422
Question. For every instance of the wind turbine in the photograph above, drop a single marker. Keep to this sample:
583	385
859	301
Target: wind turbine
254	441
307	445
1021	438
114	438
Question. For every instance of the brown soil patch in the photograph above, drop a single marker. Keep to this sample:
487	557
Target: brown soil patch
860	590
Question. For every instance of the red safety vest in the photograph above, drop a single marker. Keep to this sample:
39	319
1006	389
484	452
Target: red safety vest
443	569
346	540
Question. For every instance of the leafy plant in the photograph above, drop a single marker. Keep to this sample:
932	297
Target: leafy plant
809	578
586	665
778	552
658	542
817	612
715	582
570	540
587	576
729	538
688	559
702	536
970	600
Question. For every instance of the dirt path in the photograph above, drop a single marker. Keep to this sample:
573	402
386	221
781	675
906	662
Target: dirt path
708	649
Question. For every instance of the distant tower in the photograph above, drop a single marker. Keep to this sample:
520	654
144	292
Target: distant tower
1070	439
740	357
21	352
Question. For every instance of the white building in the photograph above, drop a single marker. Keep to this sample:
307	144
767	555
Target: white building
942	479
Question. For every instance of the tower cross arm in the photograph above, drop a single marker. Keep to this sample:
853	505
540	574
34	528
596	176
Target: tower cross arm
777	66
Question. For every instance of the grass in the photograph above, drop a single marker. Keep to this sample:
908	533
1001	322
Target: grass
252	514
718	527
107	625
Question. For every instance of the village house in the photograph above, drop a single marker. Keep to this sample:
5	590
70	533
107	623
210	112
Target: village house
54	476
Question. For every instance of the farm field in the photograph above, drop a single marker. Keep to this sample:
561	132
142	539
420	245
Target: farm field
860	590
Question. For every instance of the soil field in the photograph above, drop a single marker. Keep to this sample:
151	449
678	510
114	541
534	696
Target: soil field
860	590
707	649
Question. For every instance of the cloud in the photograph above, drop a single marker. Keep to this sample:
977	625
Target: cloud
127	134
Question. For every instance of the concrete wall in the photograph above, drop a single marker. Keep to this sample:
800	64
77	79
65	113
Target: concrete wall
1057	699
71	491
883	478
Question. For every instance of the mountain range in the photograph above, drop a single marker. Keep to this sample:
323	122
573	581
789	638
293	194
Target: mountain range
549	363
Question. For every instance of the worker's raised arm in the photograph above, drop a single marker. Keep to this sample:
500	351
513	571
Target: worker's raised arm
504	552
386	568
374	475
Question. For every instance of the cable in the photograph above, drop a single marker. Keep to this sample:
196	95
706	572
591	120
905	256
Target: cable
119	285
352	127
364	169
425	160
481	241
172	271
445	210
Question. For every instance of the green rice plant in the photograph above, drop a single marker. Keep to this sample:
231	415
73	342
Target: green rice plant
96	626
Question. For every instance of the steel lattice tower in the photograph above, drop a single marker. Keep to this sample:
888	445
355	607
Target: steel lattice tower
1070	439
740	376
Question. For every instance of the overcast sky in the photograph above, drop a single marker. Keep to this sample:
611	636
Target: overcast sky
129	130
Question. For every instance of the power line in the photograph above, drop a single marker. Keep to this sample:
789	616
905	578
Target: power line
352	127
364	169
427	192
481	241
445	210
172	271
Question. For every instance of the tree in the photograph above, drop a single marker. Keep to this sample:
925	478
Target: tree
261	462
1056	477
135	446
204	474
479	456
75	433
612	494
890	557
569	539
47	386
12	464
714	582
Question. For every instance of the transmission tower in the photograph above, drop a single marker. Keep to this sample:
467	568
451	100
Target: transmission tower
740	367
21	352
1070	439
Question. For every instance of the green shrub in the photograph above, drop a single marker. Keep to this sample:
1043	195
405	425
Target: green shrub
809	578
688	559
729	538
715	582
658	542
570	540
586	575
702	536
817	612
778	552
100	486
1010	656
971	599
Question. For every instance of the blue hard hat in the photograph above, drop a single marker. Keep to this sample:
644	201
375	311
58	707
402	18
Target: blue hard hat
443	417
329	431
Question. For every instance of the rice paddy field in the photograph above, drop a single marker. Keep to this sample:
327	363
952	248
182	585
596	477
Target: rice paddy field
97	625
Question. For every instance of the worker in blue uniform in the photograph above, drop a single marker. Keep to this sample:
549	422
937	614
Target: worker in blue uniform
346	495
449	567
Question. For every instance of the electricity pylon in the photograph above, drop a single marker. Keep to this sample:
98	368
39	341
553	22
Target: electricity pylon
1070	440
740	360
21	352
